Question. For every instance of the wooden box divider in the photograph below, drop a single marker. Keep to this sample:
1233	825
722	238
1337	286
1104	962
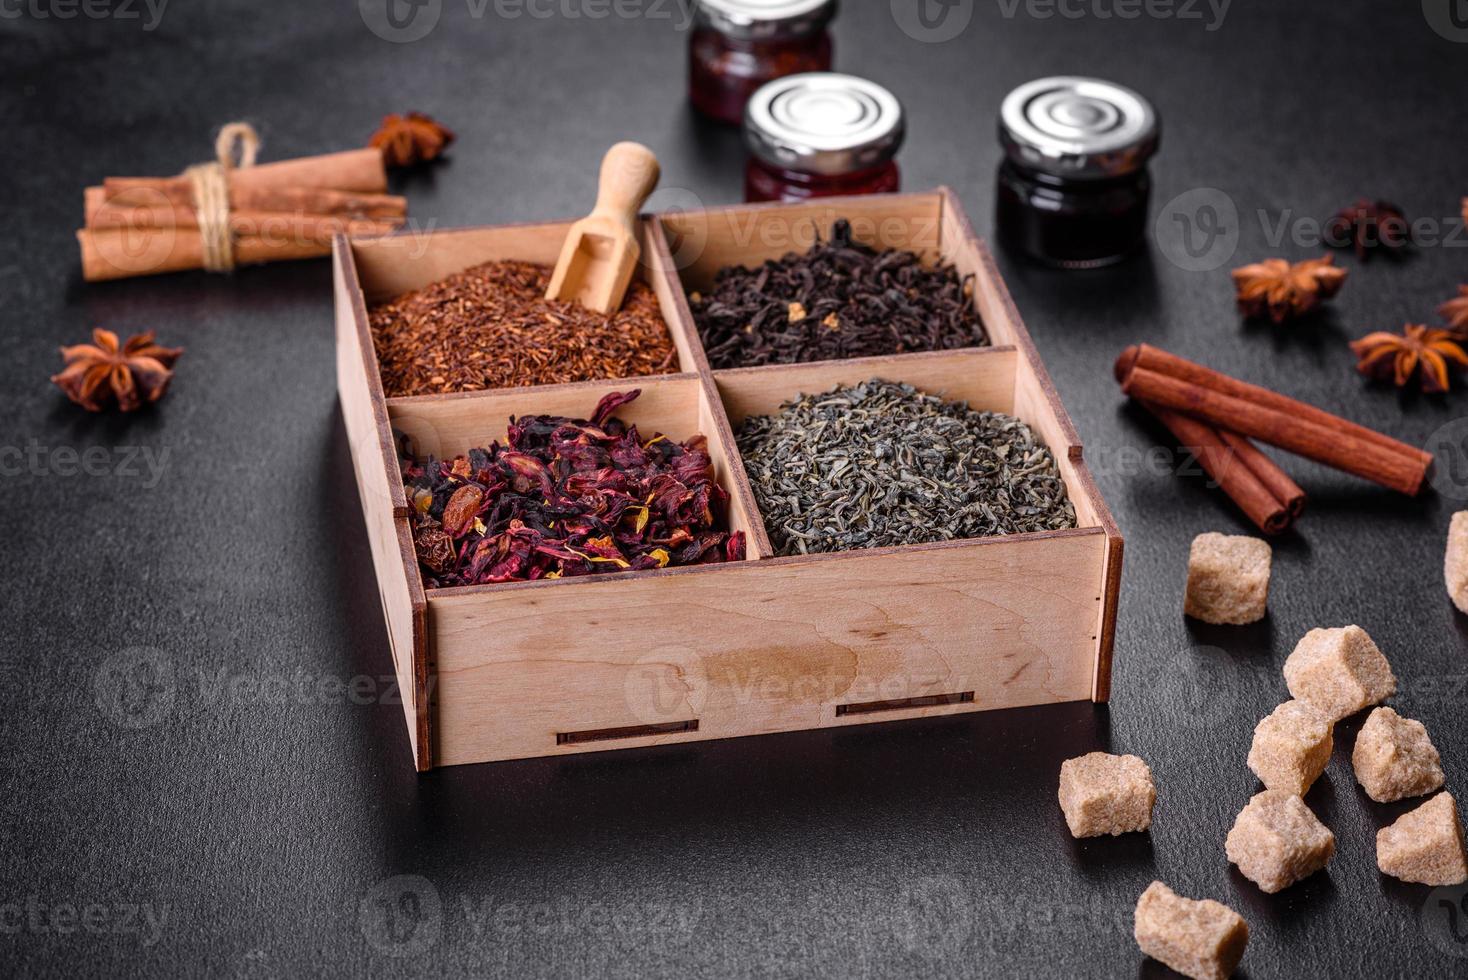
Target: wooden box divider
765	645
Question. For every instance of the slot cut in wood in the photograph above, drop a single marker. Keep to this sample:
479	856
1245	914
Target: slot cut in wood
631	731
928	701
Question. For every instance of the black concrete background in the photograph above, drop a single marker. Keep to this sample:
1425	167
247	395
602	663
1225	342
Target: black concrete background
185	791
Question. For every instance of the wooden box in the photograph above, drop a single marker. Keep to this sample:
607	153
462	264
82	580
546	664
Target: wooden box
766	645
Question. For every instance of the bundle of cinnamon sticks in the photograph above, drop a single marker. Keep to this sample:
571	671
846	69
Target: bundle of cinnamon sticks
137	226
1216	416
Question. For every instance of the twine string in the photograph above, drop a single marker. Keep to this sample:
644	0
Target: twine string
235	148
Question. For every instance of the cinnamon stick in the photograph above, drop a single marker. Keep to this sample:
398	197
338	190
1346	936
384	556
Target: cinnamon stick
300	200
1156	359
350	170
1313	434
120	253
306	200
142	221
1286	490
1219	460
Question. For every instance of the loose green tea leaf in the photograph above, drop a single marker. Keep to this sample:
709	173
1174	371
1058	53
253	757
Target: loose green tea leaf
568	497
880	464
841	299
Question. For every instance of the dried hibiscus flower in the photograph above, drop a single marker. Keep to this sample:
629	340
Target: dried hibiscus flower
106	372
1455	311
1398	357
411	139
567	497
1282	290
1368	225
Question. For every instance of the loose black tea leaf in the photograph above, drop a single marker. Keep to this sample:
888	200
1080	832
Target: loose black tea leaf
568	497
880	464
841	299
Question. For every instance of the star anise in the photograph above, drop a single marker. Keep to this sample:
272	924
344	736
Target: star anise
105	371
1455	311
1366	225
1397	357
1284	290
411	139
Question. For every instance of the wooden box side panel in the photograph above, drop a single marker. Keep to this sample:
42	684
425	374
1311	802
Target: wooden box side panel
1037	401
678	406
703	242
981	376
445	426
744	515
396	264
759	647
659	270
384	506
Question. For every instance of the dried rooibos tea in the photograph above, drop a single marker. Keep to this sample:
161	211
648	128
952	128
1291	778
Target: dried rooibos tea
492	327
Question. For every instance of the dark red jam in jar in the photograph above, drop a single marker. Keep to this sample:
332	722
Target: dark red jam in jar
738	45
821	135
1073	189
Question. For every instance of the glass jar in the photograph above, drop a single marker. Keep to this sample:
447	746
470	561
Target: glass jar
821	135
738	45
1073	189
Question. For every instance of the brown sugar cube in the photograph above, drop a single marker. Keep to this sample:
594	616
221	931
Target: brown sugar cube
1228	579
1106	794
1426	845
1394	758
1455	561
1200	939
1339	671
1291	747
1276	841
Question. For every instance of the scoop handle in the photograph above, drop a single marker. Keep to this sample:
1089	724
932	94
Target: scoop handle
629	172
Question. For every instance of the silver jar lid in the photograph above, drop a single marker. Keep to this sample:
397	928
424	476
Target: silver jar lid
764	20
824	123
1083	128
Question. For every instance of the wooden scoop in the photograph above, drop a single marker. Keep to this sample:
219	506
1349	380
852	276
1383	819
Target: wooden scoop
601	250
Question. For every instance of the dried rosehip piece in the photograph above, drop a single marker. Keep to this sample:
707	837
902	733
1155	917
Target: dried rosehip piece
568	497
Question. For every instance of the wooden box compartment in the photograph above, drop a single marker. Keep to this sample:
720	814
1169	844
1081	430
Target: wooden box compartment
765	645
